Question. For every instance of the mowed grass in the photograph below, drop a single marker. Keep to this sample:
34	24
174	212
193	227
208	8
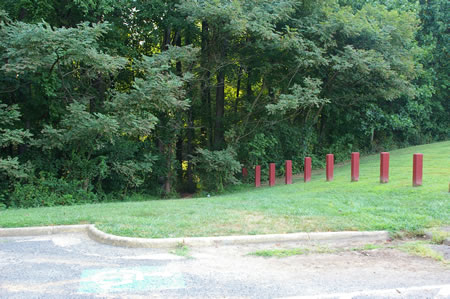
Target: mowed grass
316	206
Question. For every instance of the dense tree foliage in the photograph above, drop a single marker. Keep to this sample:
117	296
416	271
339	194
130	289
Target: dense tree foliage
100	98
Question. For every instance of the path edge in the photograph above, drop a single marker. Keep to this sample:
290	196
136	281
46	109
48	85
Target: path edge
109	239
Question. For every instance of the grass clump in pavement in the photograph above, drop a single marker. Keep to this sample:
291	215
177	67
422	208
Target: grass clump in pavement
280	253
367	247
422	249
438	237
418	248
182	250
315	206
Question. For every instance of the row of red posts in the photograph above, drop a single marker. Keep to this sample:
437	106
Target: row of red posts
384	170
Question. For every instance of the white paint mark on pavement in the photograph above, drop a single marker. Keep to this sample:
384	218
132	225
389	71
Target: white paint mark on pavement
65	241
438	291
34	239
444	292
113	280
159	256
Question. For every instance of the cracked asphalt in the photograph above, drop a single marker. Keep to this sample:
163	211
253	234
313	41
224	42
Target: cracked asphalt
74	266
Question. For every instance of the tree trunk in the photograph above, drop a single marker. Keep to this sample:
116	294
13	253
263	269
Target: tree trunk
168	182
179	145
166	39
219	129
219	132
166	149
205	86
238	90
190	132
99	98
190	138
179	157
249	84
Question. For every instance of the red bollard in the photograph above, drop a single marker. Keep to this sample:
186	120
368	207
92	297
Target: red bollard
307	170
288	175
384	167
417	169
257	176
272	174
244	173
355	167
330	167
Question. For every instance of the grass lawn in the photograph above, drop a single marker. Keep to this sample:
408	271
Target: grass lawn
315	206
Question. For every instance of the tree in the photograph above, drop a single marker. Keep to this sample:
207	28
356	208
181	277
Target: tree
11	169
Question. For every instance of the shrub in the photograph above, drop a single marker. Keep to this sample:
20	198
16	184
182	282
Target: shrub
49	191
216	169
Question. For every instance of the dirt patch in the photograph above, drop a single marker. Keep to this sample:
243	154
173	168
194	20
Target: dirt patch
345	270
251	223
444	250
248	223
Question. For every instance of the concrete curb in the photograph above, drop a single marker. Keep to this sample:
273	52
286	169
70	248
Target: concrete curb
42	230
113	240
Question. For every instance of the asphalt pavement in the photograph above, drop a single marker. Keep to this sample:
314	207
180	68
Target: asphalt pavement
74	266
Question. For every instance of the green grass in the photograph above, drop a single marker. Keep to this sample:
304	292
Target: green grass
417	248
315	206
182	250
438	236
422	249
369	247
280	253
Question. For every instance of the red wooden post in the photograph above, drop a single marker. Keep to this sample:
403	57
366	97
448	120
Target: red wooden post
417	169
330	167
307	170
355	167
288	175
258	176
384	167
272	174
244	173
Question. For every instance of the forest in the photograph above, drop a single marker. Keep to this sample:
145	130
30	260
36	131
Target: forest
101	99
